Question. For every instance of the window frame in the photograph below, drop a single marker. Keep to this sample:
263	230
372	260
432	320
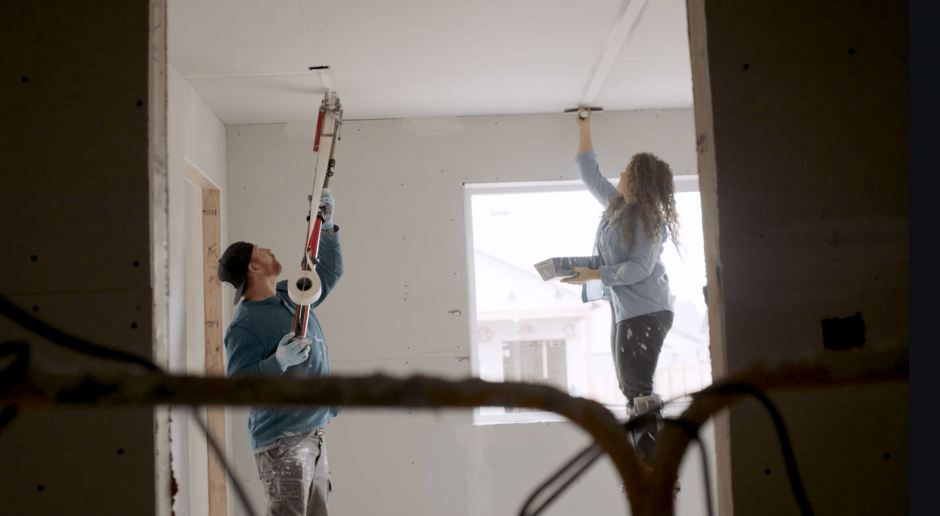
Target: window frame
683	183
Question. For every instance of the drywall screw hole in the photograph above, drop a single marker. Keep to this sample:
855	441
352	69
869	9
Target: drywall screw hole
120	451
747	66
886	456
136	264
26	79
40	488
767	471
133	325
851	51
33	258
35	308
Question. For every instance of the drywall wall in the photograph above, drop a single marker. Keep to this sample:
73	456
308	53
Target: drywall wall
195	137
399	203
802	125
76	210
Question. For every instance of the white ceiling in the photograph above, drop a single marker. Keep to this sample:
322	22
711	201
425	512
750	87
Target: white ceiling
249	59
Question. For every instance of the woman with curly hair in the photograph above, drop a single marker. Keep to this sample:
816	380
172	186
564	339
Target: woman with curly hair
640	213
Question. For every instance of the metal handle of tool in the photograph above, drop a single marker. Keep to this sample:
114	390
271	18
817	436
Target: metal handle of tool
304	286
583	115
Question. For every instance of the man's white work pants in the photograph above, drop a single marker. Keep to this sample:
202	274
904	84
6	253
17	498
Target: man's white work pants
295	477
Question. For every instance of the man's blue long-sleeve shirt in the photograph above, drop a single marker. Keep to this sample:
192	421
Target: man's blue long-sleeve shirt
636	280
252	338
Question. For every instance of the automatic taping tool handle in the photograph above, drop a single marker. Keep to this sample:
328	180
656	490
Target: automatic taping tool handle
584	115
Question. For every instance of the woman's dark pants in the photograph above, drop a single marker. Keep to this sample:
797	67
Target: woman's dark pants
635	345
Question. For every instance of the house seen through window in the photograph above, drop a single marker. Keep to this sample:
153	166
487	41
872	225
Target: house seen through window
539	331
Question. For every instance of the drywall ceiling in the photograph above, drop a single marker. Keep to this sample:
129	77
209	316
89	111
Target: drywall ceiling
250	60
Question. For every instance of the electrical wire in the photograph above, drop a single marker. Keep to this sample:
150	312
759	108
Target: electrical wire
793	474
17	370
243	498
691	429
44	330
12	374
588	455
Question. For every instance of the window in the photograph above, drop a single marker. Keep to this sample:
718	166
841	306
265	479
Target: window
526	329
535	361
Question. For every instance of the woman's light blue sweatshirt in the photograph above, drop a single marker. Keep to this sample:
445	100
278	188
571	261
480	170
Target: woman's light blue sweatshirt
635	281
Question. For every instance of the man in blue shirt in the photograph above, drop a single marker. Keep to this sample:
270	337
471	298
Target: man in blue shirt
288	445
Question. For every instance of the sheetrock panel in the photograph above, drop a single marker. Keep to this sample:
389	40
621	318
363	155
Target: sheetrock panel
408	59
209	146
75	205
285	98
398	59
79	461
807	123
224	37
74	208
180	141
648	84
661	31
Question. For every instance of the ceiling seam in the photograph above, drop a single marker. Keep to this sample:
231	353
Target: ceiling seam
313	41
251	74
615	42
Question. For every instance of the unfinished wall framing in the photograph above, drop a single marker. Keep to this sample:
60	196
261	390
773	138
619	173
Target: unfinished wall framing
212	327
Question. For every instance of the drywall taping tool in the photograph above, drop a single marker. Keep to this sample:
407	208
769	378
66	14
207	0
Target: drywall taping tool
304	287
584	115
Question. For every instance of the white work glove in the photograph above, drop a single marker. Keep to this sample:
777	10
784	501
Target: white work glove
292	352
326	208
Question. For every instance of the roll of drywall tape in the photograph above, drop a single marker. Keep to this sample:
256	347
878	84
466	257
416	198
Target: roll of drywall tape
304	287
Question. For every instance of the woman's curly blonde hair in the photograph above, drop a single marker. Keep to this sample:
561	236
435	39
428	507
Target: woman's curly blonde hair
650	197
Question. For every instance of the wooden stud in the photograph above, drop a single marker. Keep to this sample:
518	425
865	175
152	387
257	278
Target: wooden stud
211	240
708	186
215	354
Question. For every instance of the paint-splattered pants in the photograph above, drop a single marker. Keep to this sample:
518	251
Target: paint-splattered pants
635	344
295	478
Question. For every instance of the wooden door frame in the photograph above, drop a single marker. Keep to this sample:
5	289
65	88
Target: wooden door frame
708	187
212	316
